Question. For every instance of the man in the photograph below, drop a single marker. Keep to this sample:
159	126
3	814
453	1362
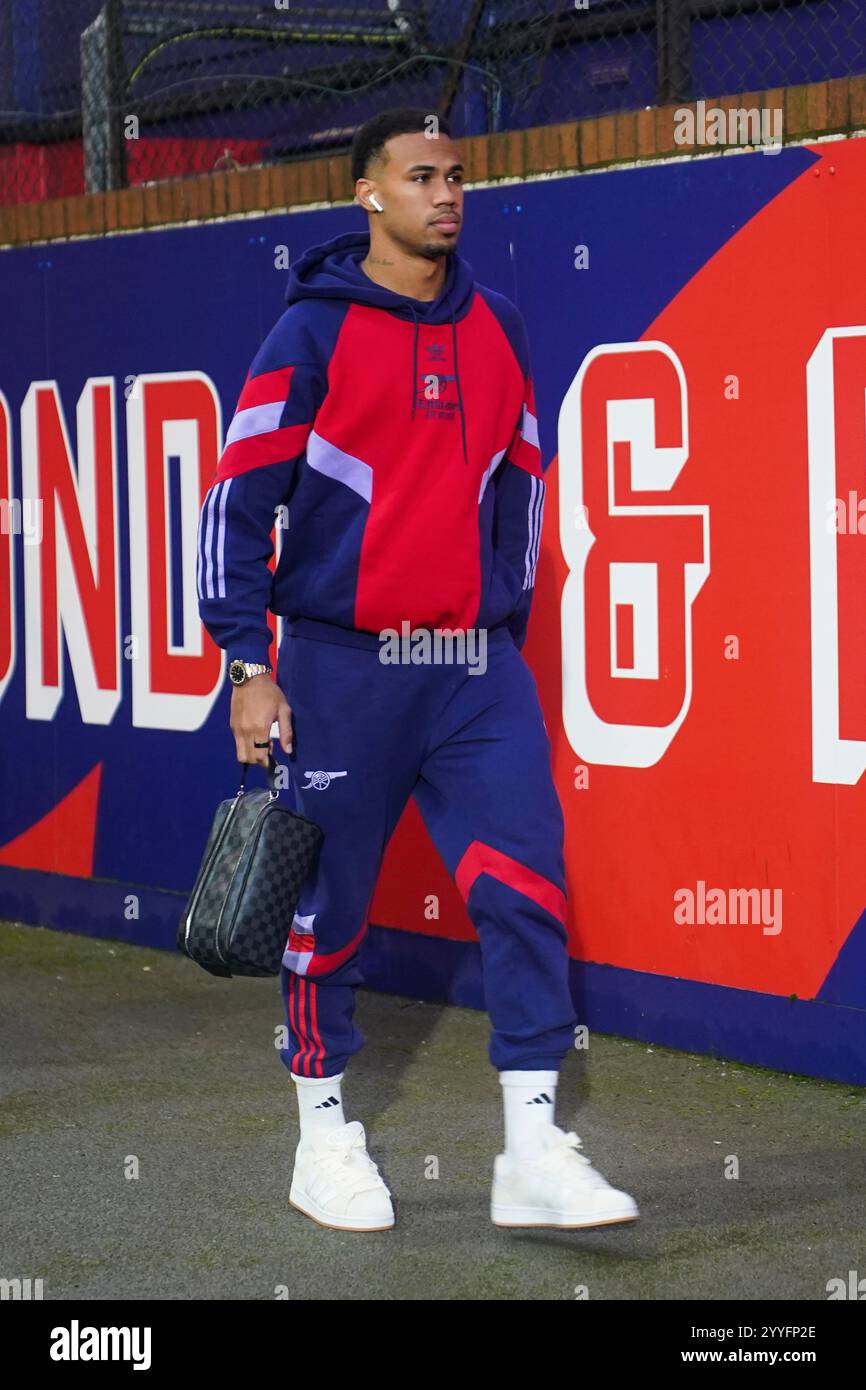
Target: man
391	411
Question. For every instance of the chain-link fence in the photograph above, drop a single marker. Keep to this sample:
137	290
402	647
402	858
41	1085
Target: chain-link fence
100	94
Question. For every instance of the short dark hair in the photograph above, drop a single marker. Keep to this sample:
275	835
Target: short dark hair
369	139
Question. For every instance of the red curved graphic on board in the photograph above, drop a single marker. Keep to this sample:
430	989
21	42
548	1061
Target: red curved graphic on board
732	803
62	842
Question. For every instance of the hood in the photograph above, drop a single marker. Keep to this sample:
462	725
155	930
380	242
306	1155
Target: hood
333	271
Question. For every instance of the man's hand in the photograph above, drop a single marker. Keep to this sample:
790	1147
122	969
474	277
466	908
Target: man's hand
255	706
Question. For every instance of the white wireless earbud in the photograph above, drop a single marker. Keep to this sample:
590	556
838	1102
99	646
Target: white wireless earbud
376	204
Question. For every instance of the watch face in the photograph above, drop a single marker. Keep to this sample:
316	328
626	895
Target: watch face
237	674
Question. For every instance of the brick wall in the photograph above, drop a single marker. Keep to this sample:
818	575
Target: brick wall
818	108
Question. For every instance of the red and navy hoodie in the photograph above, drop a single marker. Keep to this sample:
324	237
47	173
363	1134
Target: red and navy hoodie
391	445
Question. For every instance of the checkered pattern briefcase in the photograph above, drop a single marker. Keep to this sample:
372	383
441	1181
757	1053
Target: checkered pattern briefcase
256	859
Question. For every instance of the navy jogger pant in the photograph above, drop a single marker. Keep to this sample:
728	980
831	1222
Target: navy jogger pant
473	751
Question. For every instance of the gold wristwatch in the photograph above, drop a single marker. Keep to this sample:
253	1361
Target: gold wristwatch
242	671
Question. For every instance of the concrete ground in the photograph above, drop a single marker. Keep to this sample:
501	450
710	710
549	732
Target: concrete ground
111	1054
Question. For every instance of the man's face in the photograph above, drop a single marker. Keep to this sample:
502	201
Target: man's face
420	186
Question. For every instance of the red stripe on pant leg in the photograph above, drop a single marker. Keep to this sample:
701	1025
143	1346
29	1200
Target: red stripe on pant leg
308	1046
316	1061
292	1012
293	1017
484	859
312	1064
296	993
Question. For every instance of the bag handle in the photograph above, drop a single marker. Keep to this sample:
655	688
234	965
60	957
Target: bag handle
274	790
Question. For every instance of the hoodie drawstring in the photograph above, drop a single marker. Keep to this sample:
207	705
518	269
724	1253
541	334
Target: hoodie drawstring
414	360
456	371
457	380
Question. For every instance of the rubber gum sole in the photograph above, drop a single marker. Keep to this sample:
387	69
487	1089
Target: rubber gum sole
524	1217
313	1210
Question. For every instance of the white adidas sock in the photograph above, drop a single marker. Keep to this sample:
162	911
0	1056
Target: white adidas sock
530	1101
320	1103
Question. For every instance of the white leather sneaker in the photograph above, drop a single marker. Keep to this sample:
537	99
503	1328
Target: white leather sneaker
336	1182
559	1188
